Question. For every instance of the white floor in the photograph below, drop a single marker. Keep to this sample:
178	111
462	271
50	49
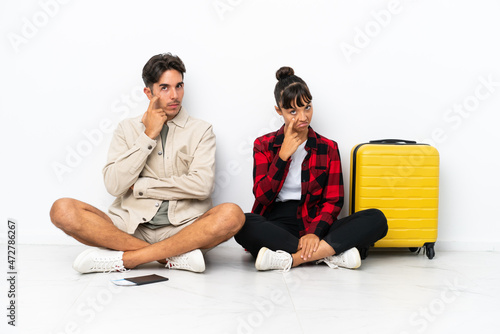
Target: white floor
393	292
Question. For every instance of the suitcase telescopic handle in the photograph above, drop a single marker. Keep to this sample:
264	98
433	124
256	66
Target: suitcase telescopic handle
392	141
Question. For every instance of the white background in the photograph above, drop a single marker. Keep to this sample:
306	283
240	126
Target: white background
71	70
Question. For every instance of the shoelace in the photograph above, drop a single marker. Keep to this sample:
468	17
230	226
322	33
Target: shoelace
108	265
179	262
284	260
330	261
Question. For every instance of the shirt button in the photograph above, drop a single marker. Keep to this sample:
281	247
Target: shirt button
144	219
150	147
140	194
160	153
157	204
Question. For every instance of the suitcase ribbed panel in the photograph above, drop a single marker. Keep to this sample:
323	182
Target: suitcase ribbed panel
403	182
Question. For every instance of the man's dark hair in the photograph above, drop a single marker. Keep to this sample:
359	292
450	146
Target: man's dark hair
290	89
158	64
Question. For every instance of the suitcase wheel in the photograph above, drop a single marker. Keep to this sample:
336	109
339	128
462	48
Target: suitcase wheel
429	250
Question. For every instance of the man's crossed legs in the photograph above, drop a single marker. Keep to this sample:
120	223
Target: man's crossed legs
93	227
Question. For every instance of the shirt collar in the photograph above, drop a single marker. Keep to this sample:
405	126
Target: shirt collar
181	118
312	138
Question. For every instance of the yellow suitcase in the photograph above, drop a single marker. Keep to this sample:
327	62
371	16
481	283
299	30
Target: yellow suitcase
400	178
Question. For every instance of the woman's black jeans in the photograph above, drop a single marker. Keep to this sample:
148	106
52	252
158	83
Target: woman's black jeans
280	230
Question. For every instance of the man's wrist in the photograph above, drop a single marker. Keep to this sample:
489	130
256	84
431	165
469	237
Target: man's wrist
151	134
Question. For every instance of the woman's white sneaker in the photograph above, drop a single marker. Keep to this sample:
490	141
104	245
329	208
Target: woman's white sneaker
99	260
192	261
270	260
349	259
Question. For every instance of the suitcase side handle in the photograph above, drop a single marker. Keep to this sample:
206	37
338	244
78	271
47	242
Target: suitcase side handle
392	141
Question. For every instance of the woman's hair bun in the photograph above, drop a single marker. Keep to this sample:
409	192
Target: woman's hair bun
284	72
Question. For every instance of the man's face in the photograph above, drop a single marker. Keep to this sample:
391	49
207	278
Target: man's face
170	91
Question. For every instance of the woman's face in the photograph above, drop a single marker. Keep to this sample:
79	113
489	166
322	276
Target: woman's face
302	115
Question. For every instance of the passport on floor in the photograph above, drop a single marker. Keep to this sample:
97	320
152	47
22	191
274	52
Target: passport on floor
139	280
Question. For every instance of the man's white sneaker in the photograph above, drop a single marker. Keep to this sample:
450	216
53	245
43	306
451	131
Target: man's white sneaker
349	259
99	260
269	260
192	261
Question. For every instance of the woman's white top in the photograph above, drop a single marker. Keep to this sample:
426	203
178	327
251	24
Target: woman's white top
291	189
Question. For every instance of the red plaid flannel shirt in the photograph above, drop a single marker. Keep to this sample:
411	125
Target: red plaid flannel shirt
322	183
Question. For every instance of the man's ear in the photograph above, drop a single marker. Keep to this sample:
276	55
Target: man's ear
278	110
148	92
